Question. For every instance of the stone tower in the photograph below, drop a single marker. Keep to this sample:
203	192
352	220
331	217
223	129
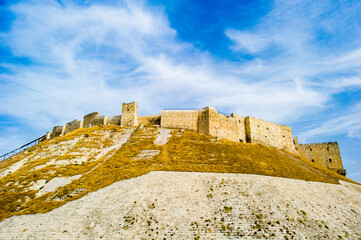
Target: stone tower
324	154
129	115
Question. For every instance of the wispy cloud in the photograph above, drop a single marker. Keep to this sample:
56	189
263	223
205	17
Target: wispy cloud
95	57
307	45
348	123
252	43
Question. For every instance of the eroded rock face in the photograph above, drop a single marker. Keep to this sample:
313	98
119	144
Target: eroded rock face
178	205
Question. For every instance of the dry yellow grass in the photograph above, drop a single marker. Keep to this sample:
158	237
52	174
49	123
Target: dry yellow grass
188	151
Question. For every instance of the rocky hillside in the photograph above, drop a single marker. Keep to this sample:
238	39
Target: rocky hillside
91	165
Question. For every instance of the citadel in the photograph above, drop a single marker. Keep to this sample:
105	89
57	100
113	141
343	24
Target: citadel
208	121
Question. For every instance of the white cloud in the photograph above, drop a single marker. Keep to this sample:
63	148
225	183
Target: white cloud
287	49
97	57
346	121
248	41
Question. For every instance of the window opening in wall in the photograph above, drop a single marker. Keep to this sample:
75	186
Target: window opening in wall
267	128
283	135
328	149
313	160
239	121
258	125
128	109
330	160
311	149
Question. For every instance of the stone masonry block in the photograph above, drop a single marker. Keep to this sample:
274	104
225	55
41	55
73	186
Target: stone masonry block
129	114
88	119
58	131
71	126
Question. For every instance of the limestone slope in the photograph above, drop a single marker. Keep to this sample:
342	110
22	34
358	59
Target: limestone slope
69	167
179	205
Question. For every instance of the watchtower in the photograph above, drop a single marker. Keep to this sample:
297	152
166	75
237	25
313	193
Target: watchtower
129	115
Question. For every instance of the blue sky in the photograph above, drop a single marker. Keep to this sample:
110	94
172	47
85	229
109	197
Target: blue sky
291	62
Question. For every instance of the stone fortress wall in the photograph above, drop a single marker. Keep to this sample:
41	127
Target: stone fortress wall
325	154
208	121
268	133
234	128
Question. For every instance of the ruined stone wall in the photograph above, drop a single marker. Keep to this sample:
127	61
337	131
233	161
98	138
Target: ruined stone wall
208	121
272	134
114	120
241	127
203	121
187	119
295	141
214	121
149	120
88	119
324	154
129	115
219	125
58	131
71	126
228	128
99	120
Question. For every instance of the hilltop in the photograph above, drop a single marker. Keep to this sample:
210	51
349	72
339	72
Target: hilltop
182	174
89	160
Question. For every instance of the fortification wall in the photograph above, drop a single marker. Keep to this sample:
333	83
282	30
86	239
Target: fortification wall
99	120
71	126
208	121
129	115
213	121
58	131
114	120
149	120
187	119
88	119
228	128
241	127
287	139
324	154
203	121
219	125
272	134
295	141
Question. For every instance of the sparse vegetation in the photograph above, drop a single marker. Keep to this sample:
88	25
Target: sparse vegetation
223	228
188	152
227	209
303	212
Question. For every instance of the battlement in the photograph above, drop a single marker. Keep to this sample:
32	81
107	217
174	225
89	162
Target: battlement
319	144
208	121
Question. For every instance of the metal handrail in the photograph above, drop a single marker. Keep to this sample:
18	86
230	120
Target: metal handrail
22	148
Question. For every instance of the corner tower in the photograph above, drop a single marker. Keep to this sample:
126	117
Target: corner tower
325	154
129	115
